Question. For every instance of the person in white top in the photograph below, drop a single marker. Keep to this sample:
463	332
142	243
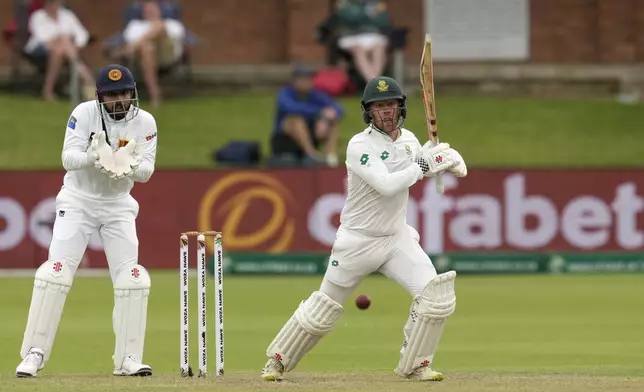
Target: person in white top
158	42
110	143
56	31
382	161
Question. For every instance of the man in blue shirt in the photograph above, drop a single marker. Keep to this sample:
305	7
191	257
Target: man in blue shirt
306	120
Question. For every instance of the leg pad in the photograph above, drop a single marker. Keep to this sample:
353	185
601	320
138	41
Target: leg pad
427	317
313	319
131	291
52	283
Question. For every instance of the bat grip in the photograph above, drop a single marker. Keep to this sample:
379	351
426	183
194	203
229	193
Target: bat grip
440	188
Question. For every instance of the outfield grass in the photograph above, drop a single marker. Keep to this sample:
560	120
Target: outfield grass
528	333
490	132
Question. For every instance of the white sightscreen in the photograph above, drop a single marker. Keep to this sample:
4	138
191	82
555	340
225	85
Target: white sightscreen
478	29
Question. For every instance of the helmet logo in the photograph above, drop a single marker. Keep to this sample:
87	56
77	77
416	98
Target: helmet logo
382	86
114	75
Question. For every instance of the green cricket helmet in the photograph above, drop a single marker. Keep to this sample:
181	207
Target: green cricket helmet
382	88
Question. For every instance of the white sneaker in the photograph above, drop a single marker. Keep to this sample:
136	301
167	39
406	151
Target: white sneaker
132	367
31	364
273	370
423	373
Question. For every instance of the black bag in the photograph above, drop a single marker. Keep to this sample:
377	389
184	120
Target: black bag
238	152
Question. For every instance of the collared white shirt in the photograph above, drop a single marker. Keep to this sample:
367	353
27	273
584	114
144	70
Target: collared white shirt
380	172
82	177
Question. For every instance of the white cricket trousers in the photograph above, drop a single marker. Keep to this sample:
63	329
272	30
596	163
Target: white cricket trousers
354	256
77	217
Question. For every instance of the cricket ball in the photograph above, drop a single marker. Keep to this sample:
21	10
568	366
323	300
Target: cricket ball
363	302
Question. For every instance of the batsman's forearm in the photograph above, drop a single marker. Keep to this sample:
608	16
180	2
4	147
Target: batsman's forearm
143	172
391	183
75	160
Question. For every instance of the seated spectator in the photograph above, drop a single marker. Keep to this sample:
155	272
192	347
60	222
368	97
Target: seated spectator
307	119
359	25
57	33
157	41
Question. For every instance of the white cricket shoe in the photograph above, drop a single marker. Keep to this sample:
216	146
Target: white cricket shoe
273	370
423	373
31	364
132	367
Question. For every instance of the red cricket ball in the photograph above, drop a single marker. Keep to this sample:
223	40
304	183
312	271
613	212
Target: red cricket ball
363	302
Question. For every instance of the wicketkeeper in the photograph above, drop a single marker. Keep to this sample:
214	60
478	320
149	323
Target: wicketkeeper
110	143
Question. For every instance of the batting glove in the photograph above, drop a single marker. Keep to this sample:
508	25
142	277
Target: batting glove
434	159
459	169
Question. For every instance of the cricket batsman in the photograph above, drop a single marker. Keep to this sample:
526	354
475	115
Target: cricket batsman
383	161
110	143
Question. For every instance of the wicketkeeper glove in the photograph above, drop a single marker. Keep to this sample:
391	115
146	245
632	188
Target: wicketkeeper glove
434	159
118	165
101	153
126	160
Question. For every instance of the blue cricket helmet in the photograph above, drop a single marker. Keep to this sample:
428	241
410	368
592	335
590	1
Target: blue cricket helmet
116	78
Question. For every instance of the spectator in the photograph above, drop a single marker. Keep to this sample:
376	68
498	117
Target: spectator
57	33
158	42
360	26
306	120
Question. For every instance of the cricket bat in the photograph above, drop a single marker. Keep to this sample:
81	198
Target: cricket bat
427	85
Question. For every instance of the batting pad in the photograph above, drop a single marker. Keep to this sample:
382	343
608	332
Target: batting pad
52	282
428	314
131	291
313	319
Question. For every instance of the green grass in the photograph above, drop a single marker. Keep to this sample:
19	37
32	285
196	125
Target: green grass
490	132
554	333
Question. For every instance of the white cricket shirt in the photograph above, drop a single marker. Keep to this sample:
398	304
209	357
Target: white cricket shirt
380	172
82	177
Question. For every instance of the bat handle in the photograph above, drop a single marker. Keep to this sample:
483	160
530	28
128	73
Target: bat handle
440	188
